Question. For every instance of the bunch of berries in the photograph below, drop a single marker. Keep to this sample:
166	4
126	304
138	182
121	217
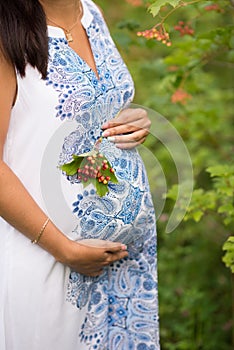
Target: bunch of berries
159	34
184	28
180	96
95	167
214	7
135	2
91	168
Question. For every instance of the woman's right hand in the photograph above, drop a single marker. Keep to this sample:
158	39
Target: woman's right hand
90	261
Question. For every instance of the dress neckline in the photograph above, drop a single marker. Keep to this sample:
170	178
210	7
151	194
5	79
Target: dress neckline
86	19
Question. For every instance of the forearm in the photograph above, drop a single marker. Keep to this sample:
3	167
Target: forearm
20	210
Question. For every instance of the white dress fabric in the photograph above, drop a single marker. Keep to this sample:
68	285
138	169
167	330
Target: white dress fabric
43	304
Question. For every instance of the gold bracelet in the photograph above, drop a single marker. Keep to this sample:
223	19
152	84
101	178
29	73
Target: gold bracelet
36	240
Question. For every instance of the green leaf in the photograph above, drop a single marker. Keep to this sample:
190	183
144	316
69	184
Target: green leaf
228	258
221	170
197	215
113	177
226	208
155	7
229	244
101	188
71	168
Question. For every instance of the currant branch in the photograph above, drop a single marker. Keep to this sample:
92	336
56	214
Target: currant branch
181	4
159	32
91	168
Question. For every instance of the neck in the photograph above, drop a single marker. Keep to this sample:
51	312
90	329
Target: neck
63	12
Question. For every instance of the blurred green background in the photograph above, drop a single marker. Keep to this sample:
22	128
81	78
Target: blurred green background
191	83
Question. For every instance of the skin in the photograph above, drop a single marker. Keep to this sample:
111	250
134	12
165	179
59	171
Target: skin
129	129
133	125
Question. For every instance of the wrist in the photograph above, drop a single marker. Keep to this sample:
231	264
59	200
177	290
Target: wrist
63	253
56	243
38	237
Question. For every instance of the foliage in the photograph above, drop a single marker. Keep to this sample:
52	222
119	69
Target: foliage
190	81
228	257
203	48
156	6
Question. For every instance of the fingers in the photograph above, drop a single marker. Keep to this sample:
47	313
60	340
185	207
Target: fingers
129	116
109	258
128	120
125	129
117	256
91	261
136	137
129	129
112	257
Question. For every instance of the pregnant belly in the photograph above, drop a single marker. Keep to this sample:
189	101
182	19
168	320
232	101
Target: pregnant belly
123	215
125	212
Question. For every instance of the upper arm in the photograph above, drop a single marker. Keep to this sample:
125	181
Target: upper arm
8	87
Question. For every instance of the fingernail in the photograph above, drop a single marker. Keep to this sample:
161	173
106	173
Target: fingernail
111	138
105	125
124	247
105	133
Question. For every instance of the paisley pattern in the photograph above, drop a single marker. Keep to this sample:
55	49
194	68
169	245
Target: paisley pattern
118	310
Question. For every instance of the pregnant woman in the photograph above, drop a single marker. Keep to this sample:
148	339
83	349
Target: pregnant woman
59	65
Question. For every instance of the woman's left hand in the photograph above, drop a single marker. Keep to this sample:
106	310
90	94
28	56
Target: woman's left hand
129	129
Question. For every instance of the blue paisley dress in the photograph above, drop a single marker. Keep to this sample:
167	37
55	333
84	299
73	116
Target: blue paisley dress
55	307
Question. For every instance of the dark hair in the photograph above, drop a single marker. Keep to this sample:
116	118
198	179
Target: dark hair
23	34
